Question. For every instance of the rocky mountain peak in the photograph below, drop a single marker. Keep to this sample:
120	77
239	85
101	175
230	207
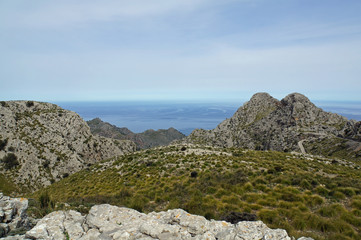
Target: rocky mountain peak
298	101
261	97
296	97
264	123
260	101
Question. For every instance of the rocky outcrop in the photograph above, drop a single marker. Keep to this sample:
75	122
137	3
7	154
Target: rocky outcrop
144	140
264	123
41	143
110	222
13	215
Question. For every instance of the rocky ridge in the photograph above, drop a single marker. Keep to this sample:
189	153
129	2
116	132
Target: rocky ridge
147	139
265	123
41	143
111	222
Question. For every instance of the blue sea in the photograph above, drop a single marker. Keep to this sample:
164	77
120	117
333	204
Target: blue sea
185	117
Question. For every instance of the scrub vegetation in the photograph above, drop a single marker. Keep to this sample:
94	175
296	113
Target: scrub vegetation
306	195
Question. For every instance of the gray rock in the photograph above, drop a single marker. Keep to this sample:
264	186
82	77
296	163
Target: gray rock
59	225
17	237
110	222
50	143
13	214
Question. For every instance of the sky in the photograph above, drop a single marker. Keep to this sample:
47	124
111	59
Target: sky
110	50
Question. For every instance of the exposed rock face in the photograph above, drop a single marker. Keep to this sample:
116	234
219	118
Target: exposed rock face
144	140
13	214
264	123
42	142
110	222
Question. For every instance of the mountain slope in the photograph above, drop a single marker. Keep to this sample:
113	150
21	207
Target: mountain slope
264	123
308	196
144	140
41	143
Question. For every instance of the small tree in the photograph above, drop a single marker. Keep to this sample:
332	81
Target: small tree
194	174
29	103
3	144
10	160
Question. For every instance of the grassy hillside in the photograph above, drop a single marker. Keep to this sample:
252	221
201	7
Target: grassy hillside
307	196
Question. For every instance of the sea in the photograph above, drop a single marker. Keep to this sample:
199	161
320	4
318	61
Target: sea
139	116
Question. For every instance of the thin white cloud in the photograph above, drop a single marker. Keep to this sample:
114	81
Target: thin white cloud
67	13
227	68
40	55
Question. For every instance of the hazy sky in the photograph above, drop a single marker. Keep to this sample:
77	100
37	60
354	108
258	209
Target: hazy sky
179	49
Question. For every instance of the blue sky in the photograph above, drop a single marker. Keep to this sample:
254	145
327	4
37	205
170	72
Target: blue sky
179	50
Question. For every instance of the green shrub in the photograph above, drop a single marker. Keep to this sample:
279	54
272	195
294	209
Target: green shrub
349	218
11	149
322	191
338	195
331	210
305	184
10	161
3	144
299	223
314	200
138	203
29	104
348	191
356	204
248	187
269	216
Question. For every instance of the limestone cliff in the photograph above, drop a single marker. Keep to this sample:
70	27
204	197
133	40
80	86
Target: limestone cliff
264	123
41	143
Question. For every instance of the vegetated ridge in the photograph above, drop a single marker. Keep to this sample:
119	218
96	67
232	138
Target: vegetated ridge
147	139
41	143
309	196
292	124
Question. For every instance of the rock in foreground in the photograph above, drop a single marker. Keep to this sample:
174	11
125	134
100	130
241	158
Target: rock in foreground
111	222
13	217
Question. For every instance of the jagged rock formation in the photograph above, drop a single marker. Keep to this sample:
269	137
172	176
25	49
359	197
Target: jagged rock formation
264	123
144	140
110	222
41	143
13	215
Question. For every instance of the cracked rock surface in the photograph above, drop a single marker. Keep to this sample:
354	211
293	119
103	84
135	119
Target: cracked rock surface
111	222
13	215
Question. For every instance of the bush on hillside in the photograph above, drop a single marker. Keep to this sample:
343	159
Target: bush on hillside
10	161
29	103
3	144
